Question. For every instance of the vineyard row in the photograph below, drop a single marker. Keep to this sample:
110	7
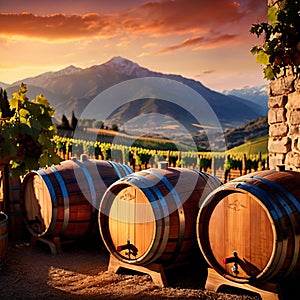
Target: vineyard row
142	158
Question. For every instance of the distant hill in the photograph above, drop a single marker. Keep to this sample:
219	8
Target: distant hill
239	135
42	79
255	146
4	85
249	131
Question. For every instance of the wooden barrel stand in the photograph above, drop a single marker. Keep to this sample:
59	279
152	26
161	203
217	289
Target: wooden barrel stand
54	243
154	270
164	275
215	282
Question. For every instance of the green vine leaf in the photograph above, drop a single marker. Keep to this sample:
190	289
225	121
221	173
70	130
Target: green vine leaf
254	50
269	73
262	57
273	15
280	50
14	102
24	112
23	88
44	160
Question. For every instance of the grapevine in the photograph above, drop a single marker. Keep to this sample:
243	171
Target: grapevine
26	135
280	50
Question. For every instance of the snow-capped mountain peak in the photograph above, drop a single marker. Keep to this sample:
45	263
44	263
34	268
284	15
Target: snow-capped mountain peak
255	94
68	70
126	67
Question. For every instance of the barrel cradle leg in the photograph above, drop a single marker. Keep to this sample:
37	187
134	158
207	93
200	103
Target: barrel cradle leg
54	243
267	291
155	271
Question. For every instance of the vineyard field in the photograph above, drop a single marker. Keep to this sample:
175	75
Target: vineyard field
246	158
259	145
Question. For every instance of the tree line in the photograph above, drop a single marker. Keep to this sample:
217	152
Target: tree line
65	124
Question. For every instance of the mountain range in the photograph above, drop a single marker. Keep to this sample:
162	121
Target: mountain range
72	89
255	94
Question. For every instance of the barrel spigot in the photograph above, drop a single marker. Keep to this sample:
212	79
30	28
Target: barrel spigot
233	259
132	250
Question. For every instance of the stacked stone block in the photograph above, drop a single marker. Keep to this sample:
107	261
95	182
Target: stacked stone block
284	122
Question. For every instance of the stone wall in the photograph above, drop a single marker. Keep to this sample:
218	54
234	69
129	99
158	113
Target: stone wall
284	122
284	118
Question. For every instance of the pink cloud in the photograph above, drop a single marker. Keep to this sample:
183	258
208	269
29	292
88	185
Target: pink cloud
201	43
182	16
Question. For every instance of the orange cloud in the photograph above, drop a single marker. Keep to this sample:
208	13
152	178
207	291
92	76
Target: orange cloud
181	16
201	43
153	18
57	26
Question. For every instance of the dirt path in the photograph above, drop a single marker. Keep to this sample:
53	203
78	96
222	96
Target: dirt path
80	272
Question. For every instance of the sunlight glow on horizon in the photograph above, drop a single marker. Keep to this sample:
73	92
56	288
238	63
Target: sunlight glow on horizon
173	37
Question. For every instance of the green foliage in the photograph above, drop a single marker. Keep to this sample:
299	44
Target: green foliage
114	127
74	121
281	47
65	124
26	135
255	152
4	105
259	145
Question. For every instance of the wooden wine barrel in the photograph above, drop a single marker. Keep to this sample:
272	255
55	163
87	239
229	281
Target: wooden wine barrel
63	200
248	229
3	238
150	216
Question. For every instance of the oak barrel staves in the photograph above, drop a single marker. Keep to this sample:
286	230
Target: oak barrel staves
249	229
63	200
149	216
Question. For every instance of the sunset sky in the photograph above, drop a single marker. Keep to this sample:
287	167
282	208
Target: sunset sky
207	40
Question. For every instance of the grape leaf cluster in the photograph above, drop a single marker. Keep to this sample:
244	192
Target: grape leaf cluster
26	132
280	50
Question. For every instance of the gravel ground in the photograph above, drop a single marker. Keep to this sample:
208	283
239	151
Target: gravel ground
31	271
